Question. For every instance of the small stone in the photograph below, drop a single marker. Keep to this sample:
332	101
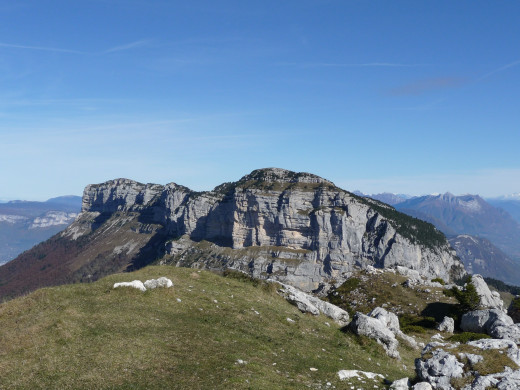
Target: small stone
313	369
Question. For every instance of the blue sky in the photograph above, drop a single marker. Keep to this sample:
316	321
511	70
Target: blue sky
404	96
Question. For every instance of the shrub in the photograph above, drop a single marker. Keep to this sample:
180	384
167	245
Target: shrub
439	280
468	298
465	337
410	323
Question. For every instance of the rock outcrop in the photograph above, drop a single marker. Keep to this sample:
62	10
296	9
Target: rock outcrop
310	304
493	322
382	326
439	368
447	325
297	228
301	228
373	328
151	284
488	299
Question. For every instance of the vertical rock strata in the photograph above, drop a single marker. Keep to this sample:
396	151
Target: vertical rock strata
295	227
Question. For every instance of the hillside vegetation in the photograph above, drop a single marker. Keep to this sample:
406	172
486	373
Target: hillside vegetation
207	332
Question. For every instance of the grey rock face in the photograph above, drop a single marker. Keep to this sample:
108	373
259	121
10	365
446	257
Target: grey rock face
507	380
488	299
512	349
422	386
310	304
400	384
507	332
375	329
447	325
439	369
295	227
483	321
390	320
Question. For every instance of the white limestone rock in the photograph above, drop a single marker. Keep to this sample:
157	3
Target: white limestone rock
510	346
422	386
447	325
310	304
409	273
348	374
488	299
161	282
439	369
400	384
508	332
134	284
390	320
375	329
507	380
483	321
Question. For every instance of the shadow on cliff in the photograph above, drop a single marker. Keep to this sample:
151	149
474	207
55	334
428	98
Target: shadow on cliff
217	225
154	249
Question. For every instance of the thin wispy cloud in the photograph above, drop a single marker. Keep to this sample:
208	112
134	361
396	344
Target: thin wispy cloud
501	69
41	48
350	65
127	46
421	87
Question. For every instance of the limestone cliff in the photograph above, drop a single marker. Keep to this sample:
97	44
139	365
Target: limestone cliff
296	227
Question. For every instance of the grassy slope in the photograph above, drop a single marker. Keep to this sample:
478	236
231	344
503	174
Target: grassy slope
91	336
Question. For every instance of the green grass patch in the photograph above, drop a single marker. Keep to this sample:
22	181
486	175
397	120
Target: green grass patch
466	337
410	323
90	336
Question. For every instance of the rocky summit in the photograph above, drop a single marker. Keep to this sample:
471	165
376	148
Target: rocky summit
297	228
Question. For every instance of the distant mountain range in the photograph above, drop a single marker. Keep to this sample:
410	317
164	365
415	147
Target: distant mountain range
467	214
485	233
386	197
511	204
24	224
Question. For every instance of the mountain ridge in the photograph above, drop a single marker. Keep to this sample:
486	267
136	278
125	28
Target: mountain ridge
296	227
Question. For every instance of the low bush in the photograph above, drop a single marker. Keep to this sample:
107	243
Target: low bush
410	323
465	337
439	280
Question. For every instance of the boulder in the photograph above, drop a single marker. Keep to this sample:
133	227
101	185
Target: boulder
387	318
488	299
375	329
482	321
507	332
439	369
447	325
390	320
310	304
135	284
400	384
510	346
347	374
507	380
409	273
422	386
161	282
